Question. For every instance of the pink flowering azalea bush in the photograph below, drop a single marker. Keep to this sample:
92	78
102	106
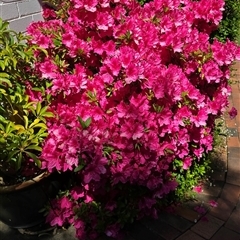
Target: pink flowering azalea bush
134	89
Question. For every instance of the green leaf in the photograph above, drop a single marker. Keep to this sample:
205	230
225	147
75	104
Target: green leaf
2	127
12	153
49	84
4	75
5	80
34	157
21	54
57	42
43	50
36	121
40	131
34	147
43	110
40	125
19	96
14	62
25	121
43	135
8	127
47	114
19	160
33	139
38	108
2	119
79	168
2	91
84	124
2	65
18	127
37	89
88	122
81	122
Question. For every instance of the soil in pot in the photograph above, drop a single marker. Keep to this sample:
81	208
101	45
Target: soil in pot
21	204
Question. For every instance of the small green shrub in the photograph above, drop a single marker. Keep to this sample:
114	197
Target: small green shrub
230	24
22	120
199	171
187	179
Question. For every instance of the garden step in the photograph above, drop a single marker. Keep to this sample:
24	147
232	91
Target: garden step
141	232
175	221
234	221
230	193
226	234
223	210
190	235
166	231
187	213
207	227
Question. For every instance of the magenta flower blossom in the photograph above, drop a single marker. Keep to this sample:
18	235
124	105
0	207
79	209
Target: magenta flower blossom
233	113
197	189
201	210
187	163
213	203
134	88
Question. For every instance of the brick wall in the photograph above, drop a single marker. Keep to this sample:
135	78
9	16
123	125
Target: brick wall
20	13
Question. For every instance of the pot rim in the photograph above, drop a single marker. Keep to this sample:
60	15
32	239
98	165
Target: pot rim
25	184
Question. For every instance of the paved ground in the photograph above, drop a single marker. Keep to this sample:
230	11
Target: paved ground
219	223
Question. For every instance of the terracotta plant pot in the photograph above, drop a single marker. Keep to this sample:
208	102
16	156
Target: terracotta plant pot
20	204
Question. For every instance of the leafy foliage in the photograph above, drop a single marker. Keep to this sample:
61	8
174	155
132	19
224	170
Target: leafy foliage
22	122
230	24
189	178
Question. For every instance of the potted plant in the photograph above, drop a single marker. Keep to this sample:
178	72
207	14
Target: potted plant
136	92
23	187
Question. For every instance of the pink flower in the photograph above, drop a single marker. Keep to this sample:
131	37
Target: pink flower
104	20
211	72
48	69
104	3
187	163
233	113
201	118
61	212
213	203
198	189
80	228
94	170
112	230
34	95
68	38
77	193
44	41
114	65
48	13
109	47
88	199
90	5
107	78
201	210
132	73
126	56
132	130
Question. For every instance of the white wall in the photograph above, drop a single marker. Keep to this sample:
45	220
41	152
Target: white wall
20	13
